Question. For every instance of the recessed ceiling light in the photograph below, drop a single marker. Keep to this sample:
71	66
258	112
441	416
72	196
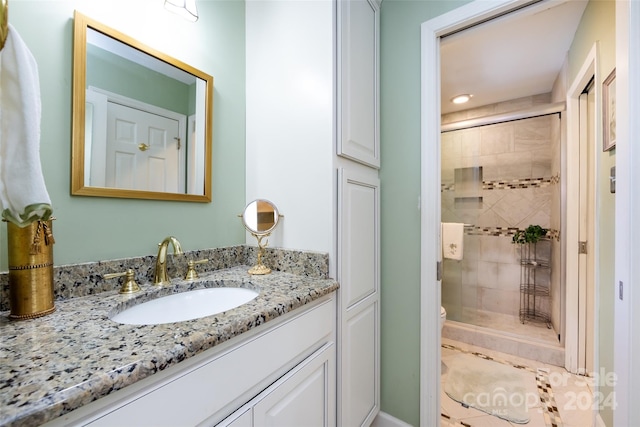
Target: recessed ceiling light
461	99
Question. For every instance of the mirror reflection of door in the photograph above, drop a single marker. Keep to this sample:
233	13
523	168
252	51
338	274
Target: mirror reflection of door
260	217
265	215
142	151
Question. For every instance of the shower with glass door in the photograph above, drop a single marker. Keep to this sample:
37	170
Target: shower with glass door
500	175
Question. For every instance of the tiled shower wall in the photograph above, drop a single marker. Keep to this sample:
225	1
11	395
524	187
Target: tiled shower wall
520	181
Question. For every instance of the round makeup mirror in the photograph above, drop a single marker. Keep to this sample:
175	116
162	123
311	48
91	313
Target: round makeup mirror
260	218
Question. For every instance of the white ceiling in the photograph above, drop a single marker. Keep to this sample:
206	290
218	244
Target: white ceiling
519	54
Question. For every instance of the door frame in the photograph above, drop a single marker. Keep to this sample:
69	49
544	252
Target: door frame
574	332
627	206
627	231
430	246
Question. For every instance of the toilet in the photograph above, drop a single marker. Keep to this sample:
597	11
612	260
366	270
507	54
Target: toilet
443	317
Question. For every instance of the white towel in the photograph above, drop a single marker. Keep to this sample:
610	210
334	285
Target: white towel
452	240
23	195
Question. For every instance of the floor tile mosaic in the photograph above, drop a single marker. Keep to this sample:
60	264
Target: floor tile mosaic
561	399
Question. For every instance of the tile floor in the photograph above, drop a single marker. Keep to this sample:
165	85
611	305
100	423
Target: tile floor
565	399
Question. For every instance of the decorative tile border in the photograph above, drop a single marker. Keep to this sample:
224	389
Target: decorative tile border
551	413
547	400
512	184
553	235
516	184
446	420
474	230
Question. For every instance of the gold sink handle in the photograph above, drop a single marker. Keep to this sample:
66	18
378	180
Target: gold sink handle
129	286
191	271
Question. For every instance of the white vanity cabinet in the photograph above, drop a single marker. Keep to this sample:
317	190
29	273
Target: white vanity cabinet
279	374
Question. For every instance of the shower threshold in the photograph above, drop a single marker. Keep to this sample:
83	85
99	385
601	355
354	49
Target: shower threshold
534	348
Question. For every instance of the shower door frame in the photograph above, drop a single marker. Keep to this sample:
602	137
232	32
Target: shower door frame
578	271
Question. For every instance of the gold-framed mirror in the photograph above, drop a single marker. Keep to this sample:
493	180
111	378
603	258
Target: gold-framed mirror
142	120
260	218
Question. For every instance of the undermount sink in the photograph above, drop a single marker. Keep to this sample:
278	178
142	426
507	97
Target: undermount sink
185	306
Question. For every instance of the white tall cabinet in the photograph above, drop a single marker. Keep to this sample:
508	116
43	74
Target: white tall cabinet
312	148
358	150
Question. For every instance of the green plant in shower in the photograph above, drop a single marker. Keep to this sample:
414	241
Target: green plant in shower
531	234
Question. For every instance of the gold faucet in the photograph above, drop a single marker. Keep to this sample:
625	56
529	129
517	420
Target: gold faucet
161	278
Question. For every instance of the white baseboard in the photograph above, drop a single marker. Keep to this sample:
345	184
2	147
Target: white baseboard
385	420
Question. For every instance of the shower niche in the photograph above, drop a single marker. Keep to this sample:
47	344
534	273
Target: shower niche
468	188
535	282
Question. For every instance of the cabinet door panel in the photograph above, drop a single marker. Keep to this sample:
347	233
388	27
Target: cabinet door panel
359	237
359	296
303	397
360	366
358	23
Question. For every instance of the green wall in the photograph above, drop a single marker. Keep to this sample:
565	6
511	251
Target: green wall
598	25
92	228
400	176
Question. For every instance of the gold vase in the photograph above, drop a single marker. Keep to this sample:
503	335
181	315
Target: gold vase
30	270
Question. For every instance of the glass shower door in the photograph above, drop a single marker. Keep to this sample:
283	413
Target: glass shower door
461	202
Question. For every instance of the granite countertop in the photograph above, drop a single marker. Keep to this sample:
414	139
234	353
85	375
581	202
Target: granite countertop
54	364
